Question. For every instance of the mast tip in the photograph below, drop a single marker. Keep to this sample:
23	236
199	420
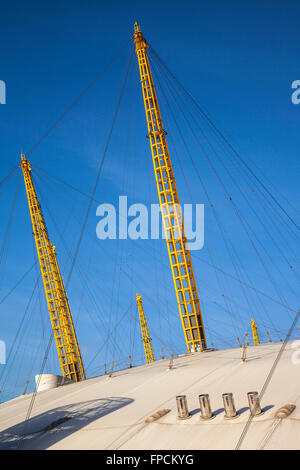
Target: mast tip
137	27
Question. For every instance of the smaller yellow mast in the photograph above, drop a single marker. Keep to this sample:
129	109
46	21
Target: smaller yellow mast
254	332
148	348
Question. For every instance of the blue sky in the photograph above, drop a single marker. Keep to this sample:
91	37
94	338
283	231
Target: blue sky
239	61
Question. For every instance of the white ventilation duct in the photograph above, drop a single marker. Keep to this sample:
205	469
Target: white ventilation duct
48	381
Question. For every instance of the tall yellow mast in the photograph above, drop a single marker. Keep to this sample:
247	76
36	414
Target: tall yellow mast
148	348
58	305
254	332
179	254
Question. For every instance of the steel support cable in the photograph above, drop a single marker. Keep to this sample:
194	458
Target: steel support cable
5	241
268	201
159	293
259	219
114	330
132	184
135	334
17	283
175	316
235	210
121	365
202	112
243	195
92	280
209	264
32	401
244	317
80	272
124	191
79	240
185	179
251	177
268	379
278	270
220	226
133	325
267	327
141	359
87	283
19	338
159	339
4	180
219	282
262	322
84	288
72	214
226	140
100	168
128	275
38	276
241	171
258	292
202	260
230	342
10	219
255	189
23	339
16	338
272	217
71	106
112	299
8	176
263	306
85	277
150	300
104	343
34	357
219	134
268	207
158	261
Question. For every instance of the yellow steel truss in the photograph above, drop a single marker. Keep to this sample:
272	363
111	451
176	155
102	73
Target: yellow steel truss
179	254
254	332
148	348
57	302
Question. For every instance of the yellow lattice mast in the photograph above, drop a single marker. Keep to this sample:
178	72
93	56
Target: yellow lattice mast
148	348
179	254
254	332
58	305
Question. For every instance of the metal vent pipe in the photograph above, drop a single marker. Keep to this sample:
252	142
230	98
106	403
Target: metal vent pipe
205	406
182	408
230	411
254	403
